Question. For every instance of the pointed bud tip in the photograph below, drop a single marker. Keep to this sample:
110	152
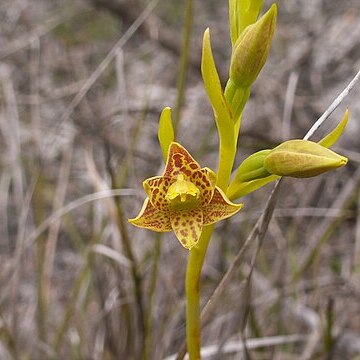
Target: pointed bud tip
344	160
270	16
252	49
273	9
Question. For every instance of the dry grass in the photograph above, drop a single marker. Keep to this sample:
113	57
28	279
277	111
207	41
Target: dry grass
80	97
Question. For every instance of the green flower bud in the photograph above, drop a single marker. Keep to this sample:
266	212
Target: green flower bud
252	48
302	159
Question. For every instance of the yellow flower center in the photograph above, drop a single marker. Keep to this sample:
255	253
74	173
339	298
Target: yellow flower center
182	194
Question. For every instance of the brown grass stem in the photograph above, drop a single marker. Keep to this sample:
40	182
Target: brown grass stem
183	64
106	62
347	195
51	242
333	106
151	300
121	223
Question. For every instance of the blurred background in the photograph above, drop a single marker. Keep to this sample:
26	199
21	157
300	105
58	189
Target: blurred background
82	84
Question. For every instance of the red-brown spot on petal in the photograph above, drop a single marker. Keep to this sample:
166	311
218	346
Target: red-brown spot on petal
183	233
177	160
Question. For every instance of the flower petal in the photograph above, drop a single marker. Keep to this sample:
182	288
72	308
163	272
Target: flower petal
179	161
152	218
156	189
204	179
220	207
187	225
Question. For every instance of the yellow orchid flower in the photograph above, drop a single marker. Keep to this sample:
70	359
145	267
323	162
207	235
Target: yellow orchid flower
183	199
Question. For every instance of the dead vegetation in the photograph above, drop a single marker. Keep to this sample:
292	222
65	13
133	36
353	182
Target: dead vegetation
82	85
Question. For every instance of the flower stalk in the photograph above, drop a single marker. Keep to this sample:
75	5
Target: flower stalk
192	287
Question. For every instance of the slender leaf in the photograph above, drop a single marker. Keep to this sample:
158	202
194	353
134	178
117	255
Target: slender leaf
330	139
215	93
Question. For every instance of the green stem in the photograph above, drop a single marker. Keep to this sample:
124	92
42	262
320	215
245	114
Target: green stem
192	285
227	154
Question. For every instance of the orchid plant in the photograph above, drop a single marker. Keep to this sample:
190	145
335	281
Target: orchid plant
188	199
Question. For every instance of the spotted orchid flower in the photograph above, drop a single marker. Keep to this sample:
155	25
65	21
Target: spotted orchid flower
183	199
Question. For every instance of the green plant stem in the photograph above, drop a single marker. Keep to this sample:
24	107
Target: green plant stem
192	285
236	99
227	154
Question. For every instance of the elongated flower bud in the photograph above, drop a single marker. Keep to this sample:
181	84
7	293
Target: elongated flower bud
252	48
302	159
